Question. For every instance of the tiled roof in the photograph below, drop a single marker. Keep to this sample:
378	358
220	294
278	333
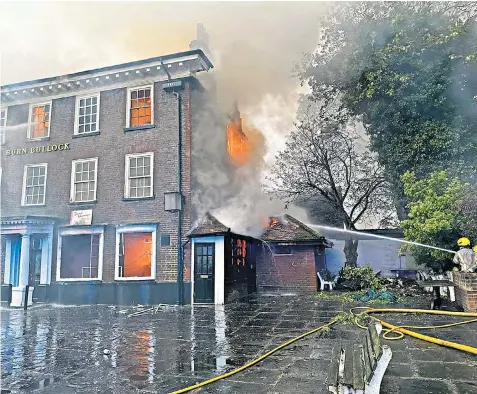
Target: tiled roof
287	228
208	225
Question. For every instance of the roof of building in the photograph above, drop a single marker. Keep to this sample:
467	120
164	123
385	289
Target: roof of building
160	68
281	229
288	229
208	225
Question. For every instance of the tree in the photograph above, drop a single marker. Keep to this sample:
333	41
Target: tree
320	210
441	210
322	160
408	72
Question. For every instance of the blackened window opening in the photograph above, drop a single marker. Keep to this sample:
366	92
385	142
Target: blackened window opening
80	256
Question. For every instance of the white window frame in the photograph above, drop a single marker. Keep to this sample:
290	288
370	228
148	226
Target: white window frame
72	188
77	230
77	114
126	173
136	228
25	170
4	128
30	112
128	105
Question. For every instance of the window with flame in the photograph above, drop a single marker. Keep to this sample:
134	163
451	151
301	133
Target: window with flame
34	184
239	252
88	115
3	125
139	169
140	106
136	255
39	126
84	180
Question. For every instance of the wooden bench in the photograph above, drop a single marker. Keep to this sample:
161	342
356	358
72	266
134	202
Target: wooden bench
359	367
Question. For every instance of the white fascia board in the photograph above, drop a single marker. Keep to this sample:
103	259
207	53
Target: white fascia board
93	75
104	88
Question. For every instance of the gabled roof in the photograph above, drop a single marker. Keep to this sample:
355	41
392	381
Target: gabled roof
288	229
208	225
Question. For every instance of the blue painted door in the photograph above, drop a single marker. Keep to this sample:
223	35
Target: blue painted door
16	248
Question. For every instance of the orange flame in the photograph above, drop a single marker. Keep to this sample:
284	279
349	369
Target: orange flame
245	144
237	143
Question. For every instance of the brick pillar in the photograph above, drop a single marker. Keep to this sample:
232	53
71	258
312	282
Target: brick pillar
465	290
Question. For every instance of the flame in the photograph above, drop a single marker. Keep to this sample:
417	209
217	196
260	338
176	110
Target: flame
245	144
237	143
270	222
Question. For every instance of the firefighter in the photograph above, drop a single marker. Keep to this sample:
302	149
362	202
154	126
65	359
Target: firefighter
475	257
465	257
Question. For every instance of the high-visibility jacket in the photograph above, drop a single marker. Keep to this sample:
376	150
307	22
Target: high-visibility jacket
466	258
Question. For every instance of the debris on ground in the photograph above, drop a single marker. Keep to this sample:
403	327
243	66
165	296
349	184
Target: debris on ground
402	287
377	295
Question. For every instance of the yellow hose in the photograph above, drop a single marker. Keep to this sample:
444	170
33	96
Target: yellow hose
403	329
368	311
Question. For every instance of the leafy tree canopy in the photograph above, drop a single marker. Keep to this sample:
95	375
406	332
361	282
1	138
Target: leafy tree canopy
408	71
439	214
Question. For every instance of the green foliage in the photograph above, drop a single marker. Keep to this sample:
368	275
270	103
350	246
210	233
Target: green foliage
439	214
359	278
343	296
408	71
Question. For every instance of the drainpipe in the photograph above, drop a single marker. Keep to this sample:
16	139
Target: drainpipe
180	261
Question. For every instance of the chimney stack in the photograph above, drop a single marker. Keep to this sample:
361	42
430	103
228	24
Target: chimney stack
202	41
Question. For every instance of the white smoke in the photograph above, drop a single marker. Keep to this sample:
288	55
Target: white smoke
235	196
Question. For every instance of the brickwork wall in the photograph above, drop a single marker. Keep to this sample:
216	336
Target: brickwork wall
465	290
294	271
110	146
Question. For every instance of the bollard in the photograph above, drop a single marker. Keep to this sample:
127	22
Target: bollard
27	290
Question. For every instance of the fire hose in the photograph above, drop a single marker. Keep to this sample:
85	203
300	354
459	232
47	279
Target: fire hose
398	333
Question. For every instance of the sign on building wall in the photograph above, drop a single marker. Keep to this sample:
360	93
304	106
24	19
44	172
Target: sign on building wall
38	149
81	218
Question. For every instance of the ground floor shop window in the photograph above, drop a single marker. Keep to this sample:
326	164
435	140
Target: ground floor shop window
136	252
80	256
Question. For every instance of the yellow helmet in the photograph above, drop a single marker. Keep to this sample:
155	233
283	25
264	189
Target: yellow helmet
463	242
475	248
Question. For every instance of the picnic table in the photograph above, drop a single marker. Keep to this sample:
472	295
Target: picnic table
436	285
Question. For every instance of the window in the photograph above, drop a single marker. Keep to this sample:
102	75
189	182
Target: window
139	175
34	184
39	126
140	106
83	180
80	254
135	252
87	118
3	125
282	249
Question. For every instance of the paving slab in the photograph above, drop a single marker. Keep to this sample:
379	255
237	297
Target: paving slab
99	349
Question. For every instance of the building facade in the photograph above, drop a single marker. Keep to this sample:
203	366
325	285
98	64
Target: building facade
96	183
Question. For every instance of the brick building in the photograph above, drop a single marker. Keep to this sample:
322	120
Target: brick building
96	172
291	256
227	265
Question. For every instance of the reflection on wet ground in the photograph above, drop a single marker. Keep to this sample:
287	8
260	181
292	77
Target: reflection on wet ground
99	349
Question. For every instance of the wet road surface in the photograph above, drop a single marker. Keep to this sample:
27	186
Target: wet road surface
99	349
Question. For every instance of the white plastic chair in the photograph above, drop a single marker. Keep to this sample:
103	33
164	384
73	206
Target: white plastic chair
323	282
